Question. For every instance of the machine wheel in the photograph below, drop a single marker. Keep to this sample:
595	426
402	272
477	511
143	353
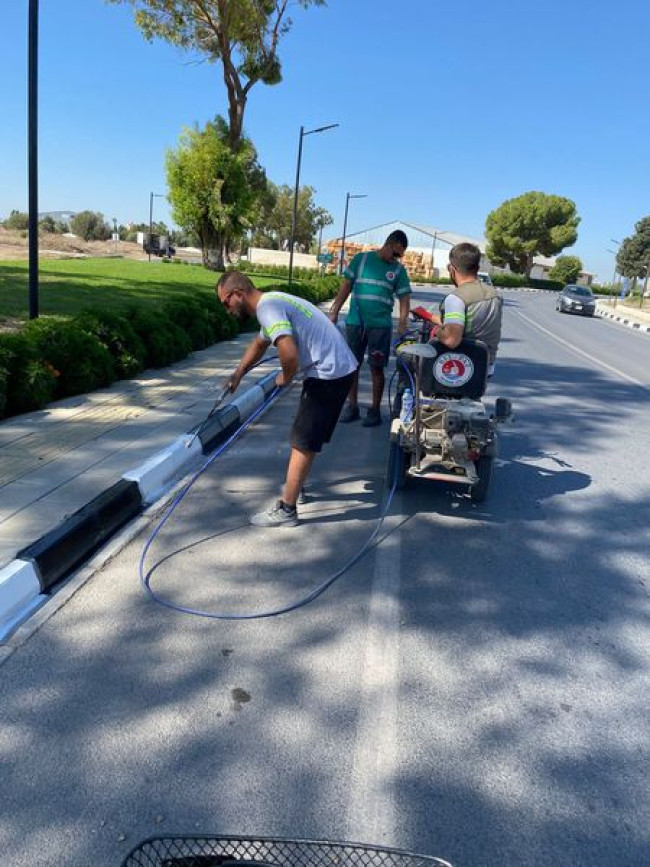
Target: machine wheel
400	457
484	466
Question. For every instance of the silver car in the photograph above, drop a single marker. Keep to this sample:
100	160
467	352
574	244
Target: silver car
576	299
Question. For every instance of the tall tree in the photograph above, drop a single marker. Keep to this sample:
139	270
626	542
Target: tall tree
527	226
309	217
91	226
213	190
243	35
633	256
566	269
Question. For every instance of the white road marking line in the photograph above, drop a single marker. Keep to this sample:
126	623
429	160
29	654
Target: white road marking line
371	811
592	358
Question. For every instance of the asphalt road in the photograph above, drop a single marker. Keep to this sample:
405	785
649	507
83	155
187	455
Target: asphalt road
475	688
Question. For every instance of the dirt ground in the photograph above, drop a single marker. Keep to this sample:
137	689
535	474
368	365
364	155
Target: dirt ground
13	246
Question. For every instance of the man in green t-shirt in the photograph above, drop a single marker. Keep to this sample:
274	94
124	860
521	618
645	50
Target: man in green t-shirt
374	279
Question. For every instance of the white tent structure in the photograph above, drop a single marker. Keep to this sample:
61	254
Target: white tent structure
428	251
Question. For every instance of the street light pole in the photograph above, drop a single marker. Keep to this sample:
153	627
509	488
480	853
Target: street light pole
294	217
433	252
33	157
151	198
345	225
618	244
150	223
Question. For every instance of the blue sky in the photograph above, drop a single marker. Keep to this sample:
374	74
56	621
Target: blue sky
445	111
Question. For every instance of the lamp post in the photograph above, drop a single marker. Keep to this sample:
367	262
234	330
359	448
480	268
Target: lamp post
433	252
32	158
618	244
152	196
348	196
294	218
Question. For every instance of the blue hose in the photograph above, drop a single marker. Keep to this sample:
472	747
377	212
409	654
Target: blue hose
145	577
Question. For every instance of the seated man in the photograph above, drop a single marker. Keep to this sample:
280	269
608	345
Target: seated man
472	308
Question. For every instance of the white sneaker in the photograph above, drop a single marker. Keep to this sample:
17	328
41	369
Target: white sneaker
278	515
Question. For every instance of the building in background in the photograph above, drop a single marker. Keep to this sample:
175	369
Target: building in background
428	251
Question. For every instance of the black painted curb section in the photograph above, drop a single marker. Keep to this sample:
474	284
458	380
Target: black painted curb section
57	553
222	424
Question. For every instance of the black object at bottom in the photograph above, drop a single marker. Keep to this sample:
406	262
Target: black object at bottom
186	851
57	553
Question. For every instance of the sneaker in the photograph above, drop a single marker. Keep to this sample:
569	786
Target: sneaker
373	418
350	413
279	515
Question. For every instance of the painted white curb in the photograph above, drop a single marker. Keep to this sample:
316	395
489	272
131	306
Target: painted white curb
20	594
157	473
248	402
622	320
19	584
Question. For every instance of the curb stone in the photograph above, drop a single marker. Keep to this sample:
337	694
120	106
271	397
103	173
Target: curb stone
623	320
25	582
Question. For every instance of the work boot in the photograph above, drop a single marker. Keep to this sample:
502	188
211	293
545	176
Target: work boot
373	418
349	413
279	515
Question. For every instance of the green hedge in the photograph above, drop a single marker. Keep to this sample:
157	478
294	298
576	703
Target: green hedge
261	270
53	357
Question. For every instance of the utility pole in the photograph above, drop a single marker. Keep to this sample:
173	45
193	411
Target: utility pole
345	225
32	158
294	216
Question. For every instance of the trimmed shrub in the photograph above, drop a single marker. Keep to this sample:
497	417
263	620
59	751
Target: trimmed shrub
512	280
550	285
116	335
193	318
222	323
26	381
164	341
84	364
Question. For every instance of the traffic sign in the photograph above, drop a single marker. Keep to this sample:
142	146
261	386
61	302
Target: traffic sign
325	258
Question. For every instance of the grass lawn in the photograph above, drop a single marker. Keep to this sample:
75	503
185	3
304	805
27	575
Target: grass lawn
70	285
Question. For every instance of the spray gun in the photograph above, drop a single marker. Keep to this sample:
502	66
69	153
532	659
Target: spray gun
224	394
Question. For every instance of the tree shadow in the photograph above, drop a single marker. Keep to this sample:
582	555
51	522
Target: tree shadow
521	714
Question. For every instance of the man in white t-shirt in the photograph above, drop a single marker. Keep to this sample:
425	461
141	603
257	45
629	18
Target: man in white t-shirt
306	341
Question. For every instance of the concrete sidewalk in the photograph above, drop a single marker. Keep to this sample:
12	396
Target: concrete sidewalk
54	461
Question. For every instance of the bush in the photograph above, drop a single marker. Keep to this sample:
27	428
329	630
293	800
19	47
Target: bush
47	225
17	220
513	280
90	226
193	318
79	357
223	325
118	337
164	341
550	285
26	381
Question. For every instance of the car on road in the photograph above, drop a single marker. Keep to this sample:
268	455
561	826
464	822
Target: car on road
485	278
576	299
